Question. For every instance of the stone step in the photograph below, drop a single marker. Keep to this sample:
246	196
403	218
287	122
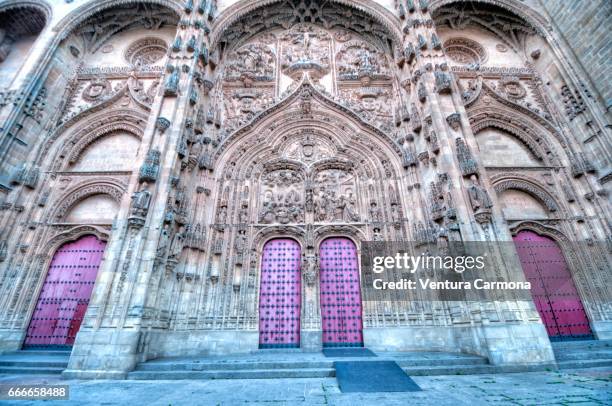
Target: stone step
560	346
474	369
52	353
232	366
581	355
585	363
463	361
33	363
21	370
237	374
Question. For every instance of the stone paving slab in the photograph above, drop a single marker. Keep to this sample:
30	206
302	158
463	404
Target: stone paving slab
583	387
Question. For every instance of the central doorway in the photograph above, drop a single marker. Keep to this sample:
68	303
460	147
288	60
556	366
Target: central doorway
340	294
280	295
65	294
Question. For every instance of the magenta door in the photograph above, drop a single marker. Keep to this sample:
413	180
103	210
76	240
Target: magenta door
280	295
65	294
340	294
552	286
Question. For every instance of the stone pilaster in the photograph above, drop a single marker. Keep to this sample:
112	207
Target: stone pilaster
148	236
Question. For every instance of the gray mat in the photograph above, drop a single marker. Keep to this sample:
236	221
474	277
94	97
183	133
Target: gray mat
347	352
373	376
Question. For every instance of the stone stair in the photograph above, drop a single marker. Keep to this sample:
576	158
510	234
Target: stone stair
169	369
583	354
264	365
39	362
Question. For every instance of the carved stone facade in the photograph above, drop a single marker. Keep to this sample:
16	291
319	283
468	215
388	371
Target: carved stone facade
188	134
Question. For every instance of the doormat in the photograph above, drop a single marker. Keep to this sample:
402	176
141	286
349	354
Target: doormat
373	376
347	352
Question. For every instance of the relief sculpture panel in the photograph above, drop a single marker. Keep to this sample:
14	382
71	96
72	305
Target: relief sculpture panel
282	197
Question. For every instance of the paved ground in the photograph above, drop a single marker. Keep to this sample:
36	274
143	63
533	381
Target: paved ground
584	387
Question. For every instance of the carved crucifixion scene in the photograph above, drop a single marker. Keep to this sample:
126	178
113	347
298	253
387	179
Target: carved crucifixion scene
185	178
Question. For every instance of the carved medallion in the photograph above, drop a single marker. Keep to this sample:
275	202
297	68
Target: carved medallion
146	52
465	51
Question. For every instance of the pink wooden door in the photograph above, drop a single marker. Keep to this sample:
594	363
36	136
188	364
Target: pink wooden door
65	294
552	286
340	294
280	295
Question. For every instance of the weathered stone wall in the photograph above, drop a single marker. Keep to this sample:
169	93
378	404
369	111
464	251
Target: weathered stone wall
585	25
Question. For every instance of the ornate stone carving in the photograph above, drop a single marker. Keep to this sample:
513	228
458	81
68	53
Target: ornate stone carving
310	269
334	198
467	163
305	48
162	124
172	82
480	200
282	200
443	79
454	121
357	59
372	104
465	51
96	90
150	168
254	62
512	88
140	205
146	51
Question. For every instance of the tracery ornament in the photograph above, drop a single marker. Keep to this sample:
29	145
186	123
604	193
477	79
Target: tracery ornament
508	27
253	62
465	51
99	28
357	59
244	20
146	51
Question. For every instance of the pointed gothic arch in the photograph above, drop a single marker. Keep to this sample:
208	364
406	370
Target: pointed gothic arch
234	13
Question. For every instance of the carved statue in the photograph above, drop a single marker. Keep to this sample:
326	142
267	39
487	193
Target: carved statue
141	200
162	245
479	197
310	269
350	209
375	214
177	245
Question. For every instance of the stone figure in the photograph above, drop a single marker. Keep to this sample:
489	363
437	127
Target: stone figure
141	200
162	245
350	208
177	245
310	269
479	197
375	214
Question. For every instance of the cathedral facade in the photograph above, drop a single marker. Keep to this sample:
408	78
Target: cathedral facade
187	177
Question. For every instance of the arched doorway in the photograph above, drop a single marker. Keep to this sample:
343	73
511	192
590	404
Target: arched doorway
65	294
552	287
280	294
340	294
